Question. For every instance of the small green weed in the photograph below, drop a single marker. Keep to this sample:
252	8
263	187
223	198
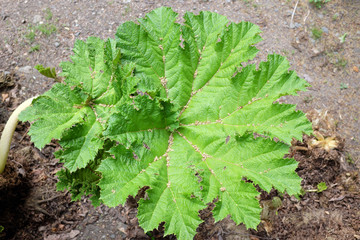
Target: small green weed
336	59
248	2
343	86
35	48
335	16
318	3
341	62
321	187
349	158
1	228
342	38
48	14
316	33
30	36
47	28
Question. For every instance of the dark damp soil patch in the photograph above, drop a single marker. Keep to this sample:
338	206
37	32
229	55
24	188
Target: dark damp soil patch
30	207
14	190
330	214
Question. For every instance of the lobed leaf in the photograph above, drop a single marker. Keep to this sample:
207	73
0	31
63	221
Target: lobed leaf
54	112
81	143
173	108
92	66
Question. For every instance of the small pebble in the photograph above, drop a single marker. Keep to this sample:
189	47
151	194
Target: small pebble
9	49
57	44
42	228
26	69
74	233
37	19
325	29
315	51
308	78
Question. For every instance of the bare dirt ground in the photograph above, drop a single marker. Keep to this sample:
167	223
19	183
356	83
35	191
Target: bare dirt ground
43	32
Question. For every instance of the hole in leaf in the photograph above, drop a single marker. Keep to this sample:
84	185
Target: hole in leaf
146	146
181	44
227	139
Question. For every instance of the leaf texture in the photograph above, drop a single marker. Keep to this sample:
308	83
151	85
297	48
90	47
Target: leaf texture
54	112
77	112
176	109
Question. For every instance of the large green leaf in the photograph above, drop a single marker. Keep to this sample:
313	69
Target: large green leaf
175	108
230	134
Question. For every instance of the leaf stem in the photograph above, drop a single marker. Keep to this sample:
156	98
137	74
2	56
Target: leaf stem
8	132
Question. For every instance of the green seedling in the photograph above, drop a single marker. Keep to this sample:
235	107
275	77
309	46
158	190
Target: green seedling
342	38
30	36
341	62
48	14
349	158
316	33
47	29
335	16
319	3
35	48
321	187
343	86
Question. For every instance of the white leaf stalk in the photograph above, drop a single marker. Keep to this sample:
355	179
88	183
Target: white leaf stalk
8	132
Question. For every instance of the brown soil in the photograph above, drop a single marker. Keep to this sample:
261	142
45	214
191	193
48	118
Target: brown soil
30	207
